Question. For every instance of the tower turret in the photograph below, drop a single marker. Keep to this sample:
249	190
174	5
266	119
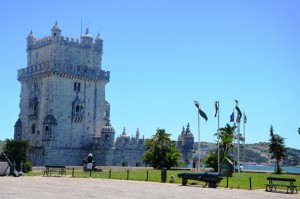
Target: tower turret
56	32
87	39
30	40
18	129
137	135
99	43
108	135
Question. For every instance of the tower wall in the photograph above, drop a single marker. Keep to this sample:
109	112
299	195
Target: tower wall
62	101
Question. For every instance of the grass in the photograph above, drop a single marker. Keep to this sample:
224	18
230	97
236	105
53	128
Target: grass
258	180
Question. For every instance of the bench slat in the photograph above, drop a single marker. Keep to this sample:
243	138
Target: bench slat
282	179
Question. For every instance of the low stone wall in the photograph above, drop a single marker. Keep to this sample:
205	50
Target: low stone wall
4	169
41	168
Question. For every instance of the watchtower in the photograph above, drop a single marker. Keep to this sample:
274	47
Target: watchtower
62	100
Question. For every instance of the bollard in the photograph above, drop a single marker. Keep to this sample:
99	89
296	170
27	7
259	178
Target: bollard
250	183
227	182
73	172
128	174
109	174
147	175
163	175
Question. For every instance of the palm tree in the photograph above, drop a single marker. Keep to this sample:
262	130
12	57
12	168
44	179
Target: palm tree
160	152
16	151
227	137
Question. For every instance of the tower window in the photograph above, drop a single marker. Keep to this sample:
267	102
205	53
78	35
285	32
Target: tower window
76	86
32	128
77	109
54	34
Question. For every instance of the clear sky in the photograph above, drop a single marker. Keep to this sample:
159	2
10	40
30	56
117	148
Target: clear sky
163	55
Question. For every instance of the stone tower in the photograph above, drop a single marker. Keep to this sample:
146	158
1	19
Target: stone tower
185	145
62	101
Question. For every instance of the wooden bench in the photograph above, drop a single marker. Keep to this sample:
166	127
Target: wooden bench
55	168
290	185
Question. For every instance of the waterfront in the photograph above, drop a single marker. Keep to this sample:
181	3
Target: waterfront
264	168
270	168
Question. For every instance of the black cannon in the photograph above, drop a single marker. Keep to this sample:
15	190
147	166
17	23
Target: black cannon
211	178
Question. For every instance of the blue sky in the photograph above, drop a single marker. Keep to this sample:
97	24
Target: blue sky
163	55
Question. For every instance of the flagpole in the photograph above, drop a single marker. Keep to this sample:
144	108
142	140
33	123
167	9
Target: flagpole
203	114
218	136
239	115
239	180
199	149
244	139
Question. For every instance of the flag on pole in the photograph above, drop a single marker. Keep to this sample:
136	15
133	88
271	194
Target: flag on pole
201	112
216	108
239	114
245	118
232	117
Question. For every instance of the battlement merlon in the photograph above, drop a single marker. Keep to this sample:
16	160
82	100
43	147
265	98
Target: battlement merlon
72	71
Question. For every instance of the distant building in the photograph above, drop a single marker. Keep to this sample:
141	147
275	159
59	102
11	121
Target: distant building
185	145
63	112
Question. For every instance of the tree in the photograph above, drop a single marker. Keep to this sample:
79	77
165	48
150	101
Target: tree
226	146
16	151
161	152
277	149
211	160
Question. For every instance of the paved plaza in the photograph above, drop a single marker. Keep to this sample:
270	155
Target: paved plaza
76	188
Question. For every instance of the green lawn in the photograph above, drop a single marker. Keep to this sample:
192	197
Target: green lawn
258	180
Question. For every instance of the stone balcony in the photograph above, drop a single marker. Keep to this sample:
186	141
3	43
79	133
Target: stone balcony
81	71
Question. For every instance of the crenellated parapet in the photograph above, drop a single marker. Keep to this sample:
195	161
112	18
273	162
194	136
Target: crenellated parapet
39	43
68	70
86	40
58	49
63	40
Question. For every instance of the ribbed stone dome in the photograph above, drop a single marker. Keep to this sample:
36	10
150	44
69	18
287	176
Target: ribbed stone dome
98	37
87	34
56	27
108	128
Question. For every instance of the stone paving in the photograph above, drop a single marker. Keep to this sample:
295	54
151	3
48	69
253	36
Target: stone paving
76	188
